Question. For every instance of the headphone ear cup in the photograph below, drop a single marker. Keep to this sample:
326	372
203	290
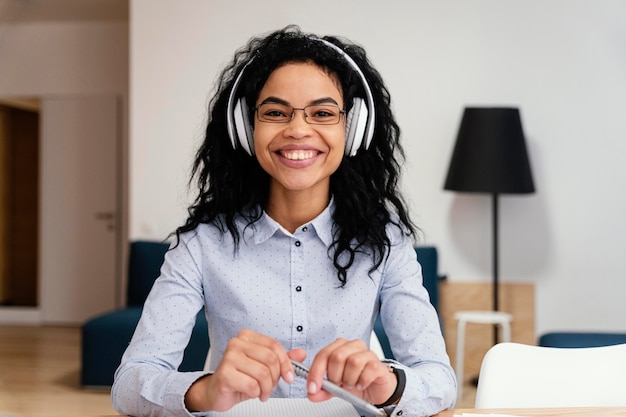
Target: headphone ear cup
245	133
356	121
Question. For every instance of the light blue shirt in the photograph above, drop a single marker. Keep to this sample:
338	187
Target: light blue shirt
283	285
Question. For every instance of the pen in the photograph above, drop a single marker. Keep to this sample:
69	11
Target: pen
337	391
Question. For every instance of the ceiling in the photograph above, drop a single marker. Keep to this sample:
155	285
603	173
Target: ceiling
31	11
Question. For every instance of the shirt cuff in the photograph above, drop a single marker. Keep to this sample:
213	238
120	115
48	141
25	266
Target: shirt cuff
174	399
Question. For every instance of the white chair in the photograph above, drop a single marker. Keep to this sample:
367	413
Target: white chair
374	345
515	375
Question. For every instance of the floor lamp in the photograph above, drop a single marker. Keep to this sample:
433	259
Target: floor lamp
490	157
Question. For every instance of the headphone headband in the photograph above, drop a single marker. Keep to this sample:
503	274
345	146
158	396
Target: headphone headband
359	121
369	127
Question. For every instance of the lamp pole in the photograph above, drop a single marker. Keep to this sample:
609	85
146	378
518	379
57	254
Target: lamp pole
496	297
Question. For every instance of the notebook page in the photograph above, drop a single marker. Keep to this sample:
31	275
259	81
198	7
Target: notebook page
292	407
483	415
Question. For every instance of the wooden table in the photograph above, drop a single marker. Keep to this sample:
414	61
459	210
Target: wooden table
543	412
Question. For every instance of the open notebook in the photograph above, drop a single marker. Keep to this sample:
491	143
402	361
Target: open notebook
301	407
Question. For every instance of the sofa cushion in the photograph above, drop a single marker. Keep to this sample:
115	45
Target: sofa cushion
581	339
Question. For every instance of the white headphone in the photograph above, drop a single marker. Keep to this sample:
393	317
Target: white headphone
359	120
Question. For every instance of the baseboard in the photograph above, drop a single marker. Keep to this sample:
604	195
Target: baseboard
20	315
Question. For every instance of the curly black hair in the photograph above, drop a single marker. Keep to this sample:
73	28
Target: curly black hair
231	183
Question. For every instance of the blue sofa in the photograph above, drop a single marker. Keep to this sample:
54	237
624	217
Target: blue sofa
581	339
106	336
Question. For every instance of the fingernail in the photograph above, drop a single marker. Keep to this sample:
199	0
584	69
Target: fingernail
290	377
359	387
312	388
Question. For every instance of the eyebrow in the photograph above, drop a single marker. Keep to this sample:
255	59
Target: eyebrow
323	100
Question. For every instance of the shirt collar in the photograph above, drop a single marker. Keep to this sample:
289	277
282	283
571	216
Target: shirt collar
266	227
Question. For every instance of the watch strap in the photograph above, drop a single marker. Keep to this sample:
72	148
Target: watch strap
397	393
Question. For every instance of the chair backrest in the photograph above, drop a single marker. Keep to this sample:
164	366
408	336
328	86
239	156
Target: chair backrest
144	267
515	375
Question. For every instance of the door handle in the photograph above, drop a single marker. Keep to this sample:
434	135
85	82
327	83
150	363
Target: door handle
105	216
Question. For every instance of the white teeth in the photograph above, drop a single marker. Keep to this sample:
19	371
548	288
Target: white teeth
299	155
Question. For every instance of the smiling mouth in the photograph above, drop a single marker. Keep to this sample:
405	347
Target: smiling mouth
299	155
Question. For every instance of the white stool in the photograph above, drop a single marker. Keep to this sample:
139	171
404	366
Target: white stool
480	317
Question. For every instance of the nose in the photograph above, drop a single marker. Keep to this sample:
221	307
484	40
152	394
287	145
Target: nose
298	126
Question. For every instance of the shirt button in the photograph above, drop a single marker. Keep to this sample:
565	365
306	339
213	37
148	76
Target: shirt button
399	413
298	243
299	328
305	229
298	288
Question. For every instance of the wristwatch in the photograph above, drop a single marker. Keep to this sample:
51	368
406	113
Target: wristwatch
397	393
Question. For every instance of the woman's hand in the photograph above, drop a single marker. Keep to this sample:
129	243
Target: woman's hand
250	368
354	367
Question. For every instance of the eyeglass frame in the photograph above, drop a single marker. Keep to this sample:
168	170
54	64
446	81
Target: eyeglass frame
306	116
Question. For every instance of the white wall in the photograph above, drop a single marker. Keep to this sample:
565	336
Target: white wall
59	58
561	61
64	59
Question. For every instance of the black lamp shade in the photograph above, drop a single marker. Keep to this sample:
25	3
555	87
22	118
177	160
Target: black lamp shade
490	153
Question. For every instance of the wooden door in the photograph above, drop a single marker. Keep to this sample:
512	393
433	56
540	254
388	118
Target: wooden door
19	207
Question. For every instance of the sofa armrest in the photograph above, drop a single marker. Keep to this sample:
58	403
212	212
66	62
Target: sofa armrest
106	337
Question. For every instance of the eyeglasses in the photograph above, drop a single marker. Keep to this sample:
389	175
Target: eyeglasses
317	114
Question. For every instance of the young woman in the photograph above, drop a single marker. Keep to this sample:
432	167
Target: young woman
298	238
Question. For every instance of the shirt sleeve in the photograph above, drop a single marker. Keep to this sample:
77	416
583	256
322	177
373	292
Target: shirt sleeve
147	382
412	325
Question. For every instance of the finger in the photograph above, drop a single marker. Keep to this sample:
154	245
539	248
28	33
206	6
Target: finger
268	351
260	357
298	355
281	361
329	361
262	375
354	366
379	384
319	367
346	362
372	372
240	373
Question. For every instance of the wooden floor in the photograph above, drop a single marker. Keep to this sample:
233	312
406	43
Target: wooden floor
39	375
